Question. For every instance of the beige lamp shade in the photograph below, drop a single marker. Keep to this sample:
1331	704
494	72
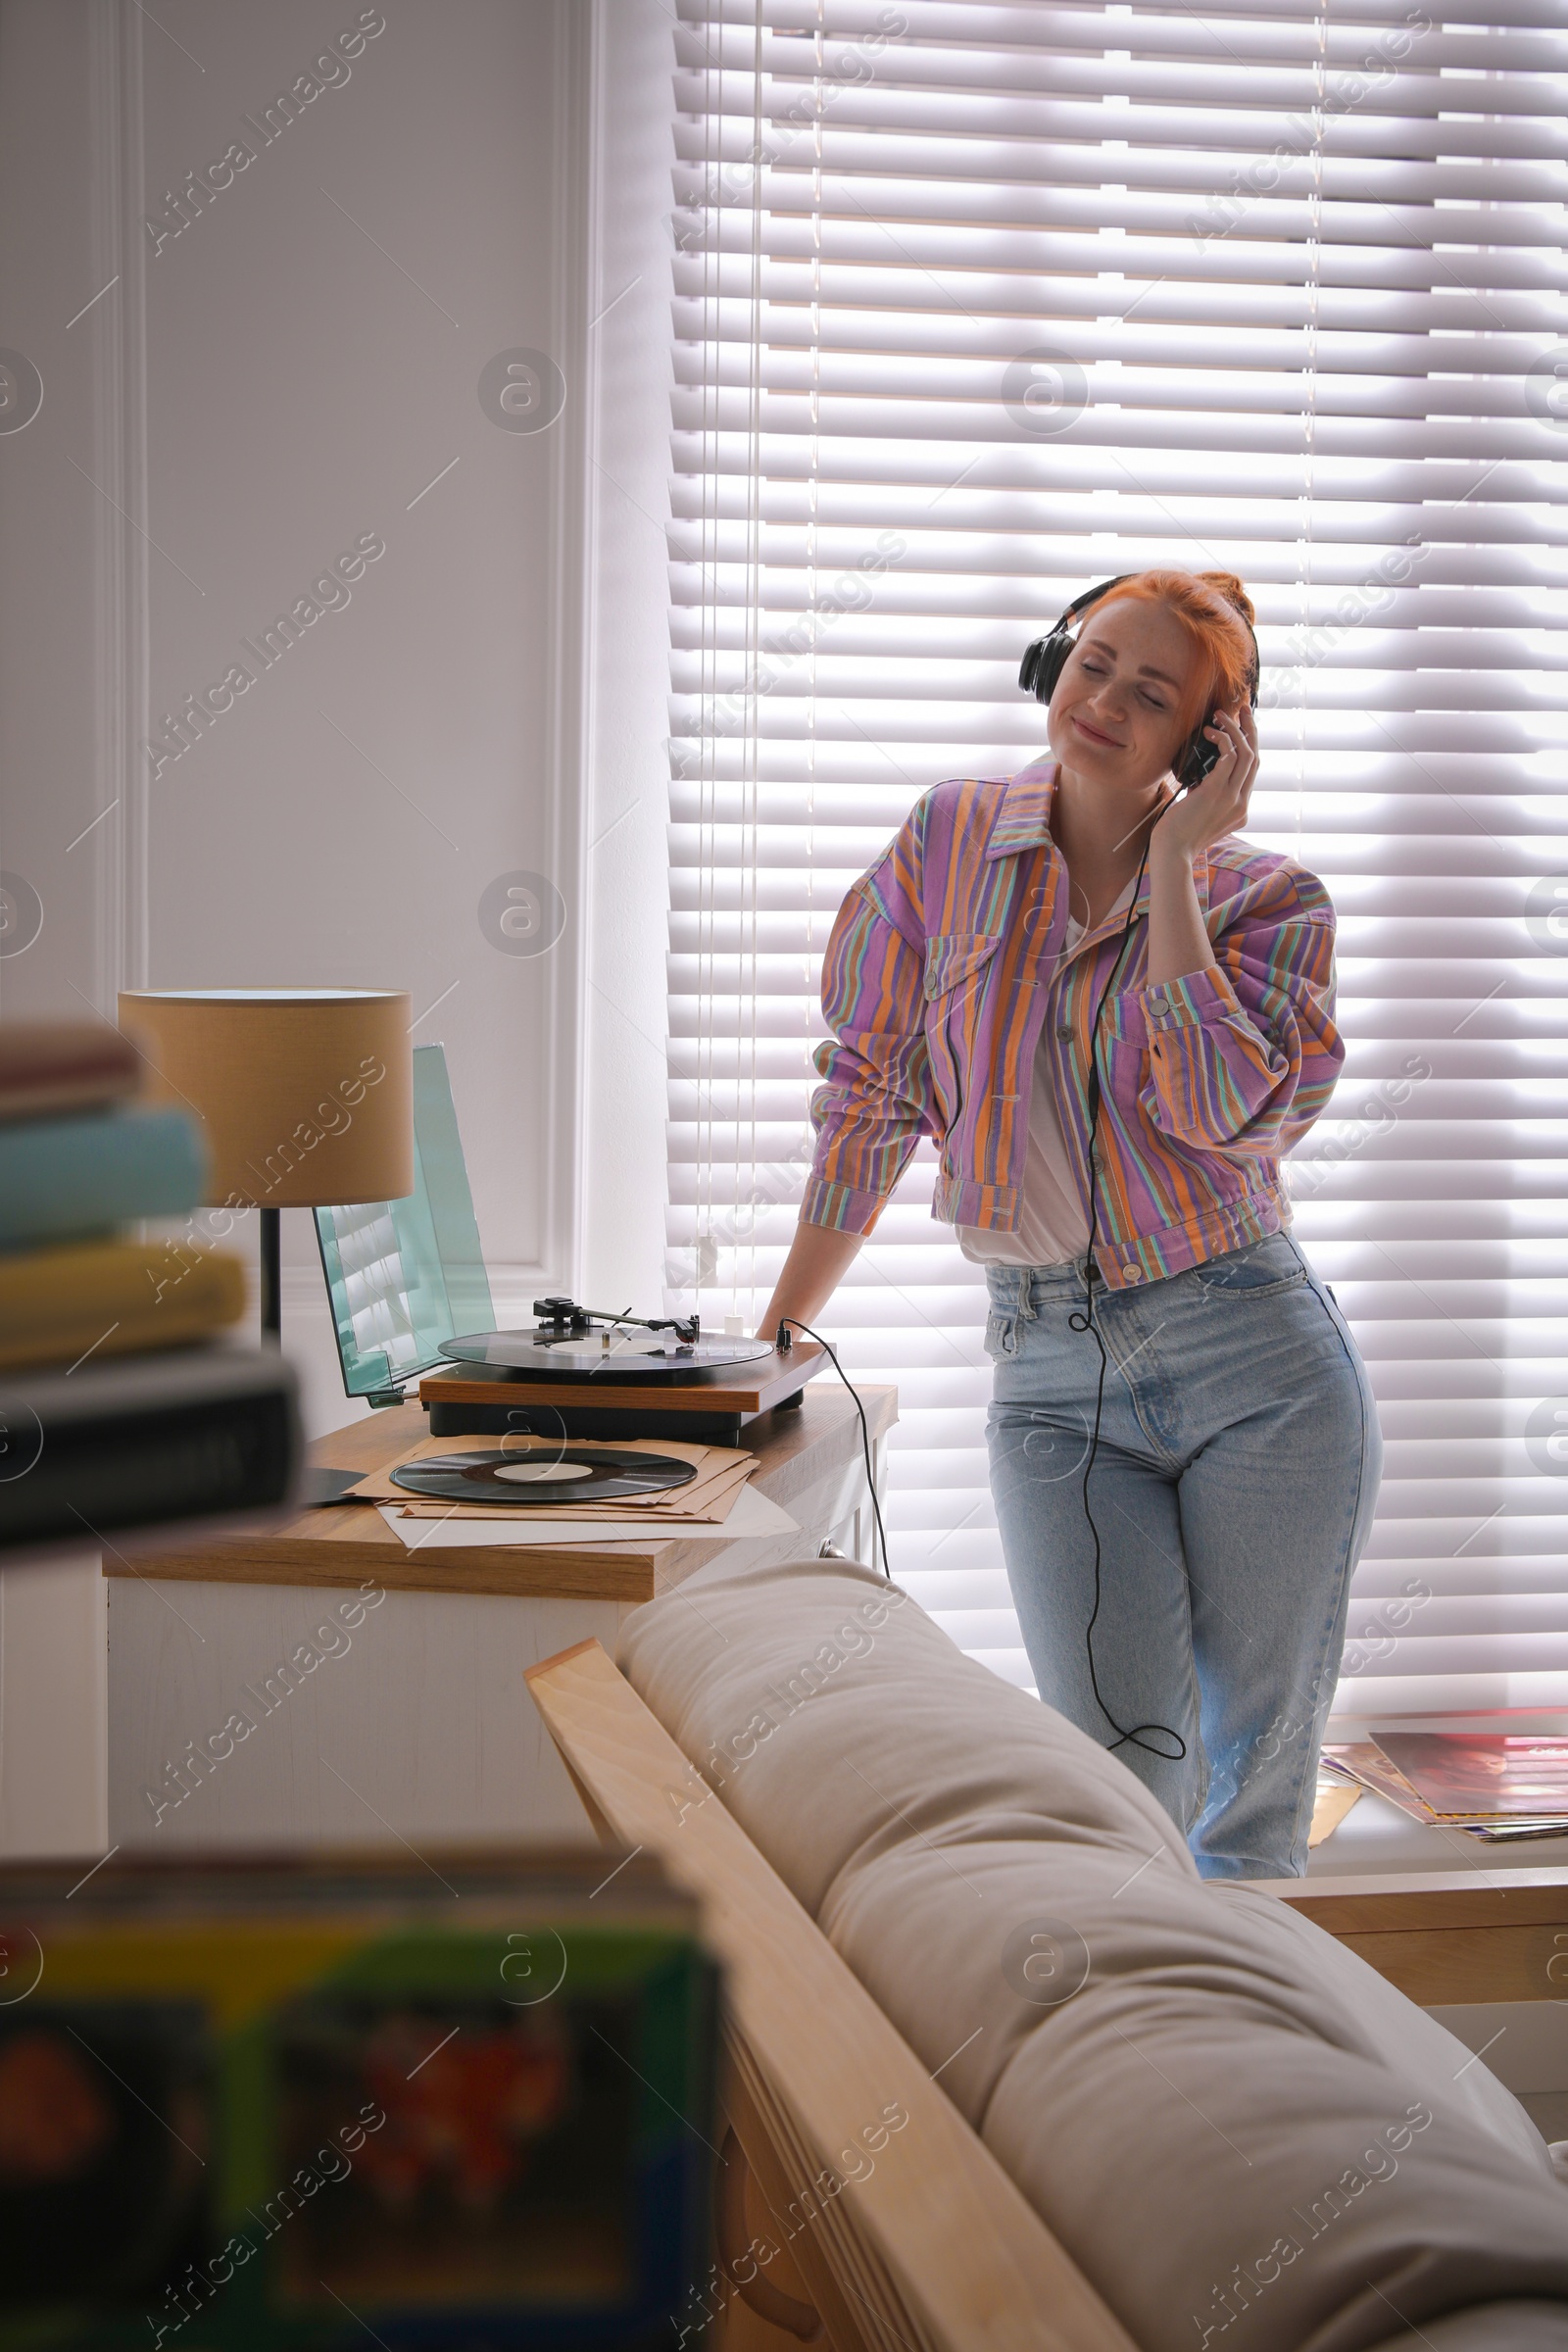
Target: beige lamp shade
307	1094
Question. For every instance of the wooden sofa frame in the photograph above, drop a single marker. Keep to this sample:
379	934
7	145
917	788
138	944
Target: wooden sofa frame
908	2233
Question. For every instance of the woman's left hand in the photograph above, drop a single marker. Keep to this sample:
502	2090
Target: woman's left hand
1200	818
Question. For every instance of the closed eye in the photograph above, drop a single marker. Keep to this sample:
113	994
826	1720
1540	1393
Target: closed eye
1098	669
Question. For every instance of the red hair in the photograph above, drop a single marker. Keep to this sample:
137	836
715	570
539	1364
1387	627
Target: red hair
1216	614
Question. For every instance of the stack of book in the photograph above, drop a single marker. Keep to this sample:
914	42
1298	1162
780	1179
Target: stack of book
78	1158
1498	1786
117	1406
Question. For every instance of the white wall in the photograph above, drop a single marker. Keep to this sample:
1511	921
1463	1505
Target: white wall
289	373
54	1706
228	409
48	514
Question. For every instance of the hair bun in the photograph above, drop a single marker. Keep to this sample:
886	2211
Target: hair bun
1233	591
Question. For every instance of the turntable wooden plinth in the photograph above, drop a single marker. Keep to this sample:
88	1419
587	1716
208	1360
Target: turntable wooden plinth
471	1400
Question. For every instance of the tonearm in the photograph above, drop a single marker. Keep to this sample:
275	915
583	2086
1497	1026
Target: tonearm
563	1318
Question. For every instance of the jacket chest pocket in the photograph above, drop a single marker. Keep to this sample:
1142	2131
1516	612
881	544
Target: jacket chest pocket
1122	1046
954	984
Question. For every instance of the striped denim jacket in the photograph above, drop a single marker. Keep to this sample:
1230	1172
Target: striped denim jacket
948	959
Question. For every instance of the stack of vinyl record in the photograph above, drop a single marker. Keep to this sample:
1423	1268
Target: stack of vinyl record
1498	1786
663	1482
116	1408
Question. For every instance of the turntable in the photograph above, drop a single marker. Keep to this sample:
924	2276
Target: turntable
564	1345
411	1303
581	1372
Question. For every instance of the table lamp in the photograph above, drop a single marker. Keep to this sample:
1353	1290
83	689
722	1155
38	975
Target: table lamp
307	1097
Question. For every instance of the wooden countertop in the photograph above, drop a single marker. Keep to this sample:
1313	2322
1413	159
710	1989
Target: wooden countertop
1429	1898
344	1544
1447	1937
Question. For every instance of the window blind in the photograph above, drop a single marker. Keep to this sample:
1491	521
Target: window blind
973	306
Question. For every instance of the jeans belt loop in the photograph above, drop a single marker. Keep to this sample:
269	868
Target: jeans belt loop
1015	1289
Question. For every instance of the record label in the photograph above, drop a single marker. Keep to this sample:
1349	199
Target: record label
578	1474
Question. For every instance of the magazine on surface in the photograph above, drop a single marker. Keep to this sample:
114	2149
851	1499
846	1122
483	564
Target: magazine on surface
1364	1761
1478	1775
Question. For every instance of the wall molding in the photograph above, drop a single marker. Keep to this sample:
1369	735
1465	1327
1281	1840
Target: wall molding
628	147
568	671
122	927
127	955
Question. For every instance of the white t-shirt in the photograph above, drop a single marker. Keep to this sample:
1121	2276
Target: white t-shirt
1053	1222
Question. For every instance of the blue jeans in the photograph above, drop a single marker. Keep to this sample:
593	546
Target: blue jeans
1232	1488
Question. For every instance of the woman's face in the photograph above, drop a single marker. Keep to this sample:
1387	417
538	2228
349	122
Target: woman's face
1116	714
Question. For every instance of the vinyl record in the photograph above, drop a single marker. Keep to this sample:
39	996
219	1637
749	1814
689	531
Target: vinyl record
543	1477
630	1354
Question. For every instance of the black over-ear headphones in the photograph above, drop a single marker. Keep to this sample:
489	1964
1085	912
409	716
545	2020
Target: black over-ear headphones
1045	661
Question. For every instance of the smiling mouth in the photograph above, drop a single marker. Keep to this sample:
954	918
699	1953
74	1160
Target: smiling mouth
1094	735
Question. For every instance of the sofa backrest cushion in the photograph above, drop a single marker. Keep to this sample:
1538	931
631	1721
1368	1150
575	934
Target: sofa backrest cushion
1241	2132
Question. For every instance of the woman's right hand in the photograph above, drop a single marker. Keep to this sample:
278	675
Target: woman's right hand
819	1258
1217	806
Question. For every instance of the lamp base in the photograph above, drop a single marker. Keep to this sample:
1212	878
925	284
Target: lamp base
318	1488
271	1271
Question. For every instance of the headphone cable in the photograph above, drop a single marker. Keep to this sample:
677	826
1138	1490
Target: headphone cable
1085	1319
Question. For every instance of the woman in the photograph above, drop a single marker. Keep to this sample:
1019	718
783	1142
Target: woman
1082	968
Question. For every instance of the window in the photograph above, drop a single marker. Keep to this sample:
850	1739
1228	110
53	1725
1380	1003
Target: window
976	305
